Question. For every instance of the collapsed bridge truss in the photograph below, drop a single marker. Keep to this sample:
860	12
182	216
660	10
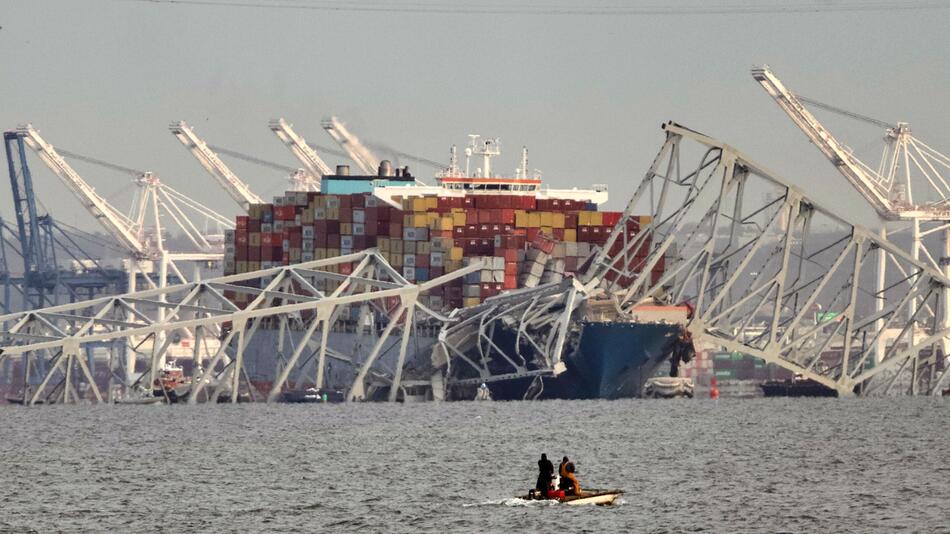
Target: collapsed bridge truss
306	298
776	274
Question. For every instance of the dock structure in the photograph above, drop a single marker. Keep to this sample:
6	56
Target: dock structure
144	323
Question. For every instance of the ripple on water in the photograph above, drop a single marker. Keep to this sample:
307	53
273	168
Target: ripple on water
740	466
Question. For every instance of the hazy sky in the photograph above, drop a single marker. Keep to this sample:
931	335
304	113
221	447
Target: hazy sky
585	92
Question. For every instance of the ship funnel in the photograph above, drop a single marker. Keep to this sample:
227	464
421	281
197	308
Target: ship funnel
342	170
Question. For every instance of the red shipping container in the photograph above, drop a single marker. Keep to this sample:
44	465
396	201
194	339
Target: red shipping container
285	213
359	242
583	234
611	218
468	202
422	261
395	230
458	231
511	281
570	220
596	233
320	240
240	237
253	254
241	221
568	204
471	230
333	227
558	233
532	233
511	267
240	253
357	200
333	240
253	226
482	216
435	272
371	227
346	215
346	268
345	202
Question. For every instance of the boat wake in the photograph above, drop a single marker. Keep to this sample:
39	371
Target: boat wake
513	501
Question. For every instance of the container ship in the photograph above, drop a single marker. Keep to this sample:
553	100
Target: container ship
525	235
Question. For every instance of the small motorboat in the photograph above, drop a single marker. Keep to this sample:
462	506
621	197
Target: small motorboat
600	497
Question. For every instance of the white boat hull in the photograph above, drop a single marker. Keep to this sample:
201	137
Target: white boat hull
600	500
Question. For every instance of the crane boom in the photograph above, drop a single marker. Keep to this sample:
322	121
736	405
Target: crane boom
315	166
358	152
117	224
238	190
866	181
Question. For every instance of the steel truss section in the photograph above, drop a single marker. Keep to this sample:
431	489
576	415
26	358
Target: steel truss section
288	298
520	334
775	274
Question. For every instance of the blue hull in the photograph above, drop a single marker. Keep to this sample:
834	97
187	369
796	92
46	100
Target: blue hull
613	361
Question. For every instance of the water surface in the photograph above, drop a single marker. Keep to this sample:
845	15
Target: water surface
776	465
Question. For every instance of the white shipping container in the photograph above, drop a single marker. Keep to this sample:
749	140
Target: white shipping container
471	290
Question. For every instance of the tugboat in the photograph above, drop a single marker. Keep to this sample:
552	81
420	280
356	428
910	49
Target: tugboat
172	384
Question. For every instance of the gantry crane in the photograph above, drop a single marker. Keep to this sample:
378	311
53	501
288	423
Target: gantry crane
314	166
358	152
42	242
233	185
908	185
141	234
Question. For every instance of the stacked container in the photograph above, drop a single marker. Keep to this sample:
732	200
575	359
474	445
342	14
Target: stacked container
521	240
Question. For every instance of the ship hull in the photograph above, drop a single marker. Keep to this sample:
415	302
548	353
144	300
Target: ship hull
613	361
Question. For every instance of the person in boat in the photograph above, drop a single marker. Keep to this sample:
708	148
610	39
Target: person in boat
569	482
545	473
